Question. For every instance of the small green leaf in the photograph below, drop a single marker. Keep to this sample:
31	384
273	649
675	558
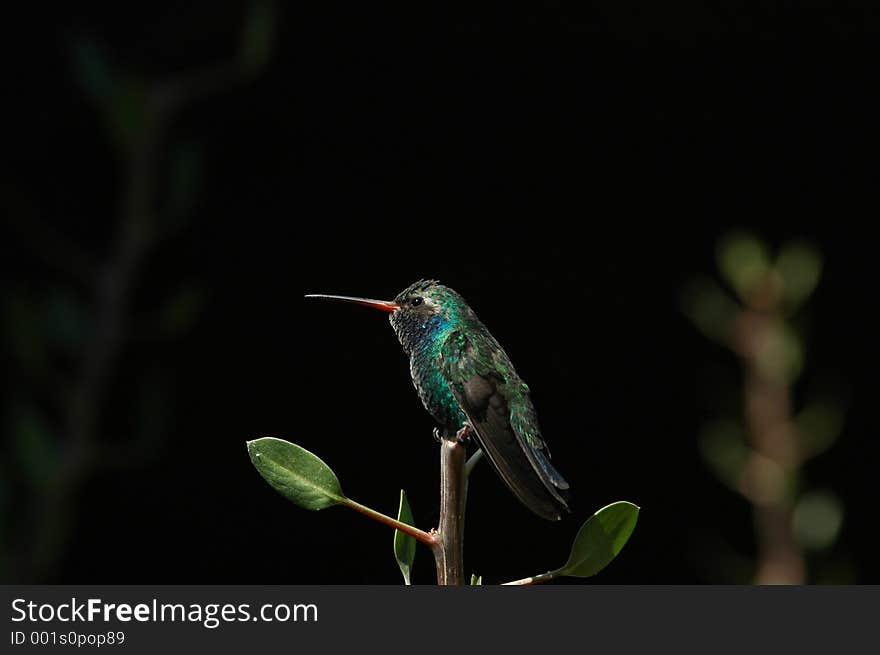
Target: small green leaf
122	100
38	456
817	519
723	445
66	323
91	68
819	425
476	580
600	539
295	473
709	307
743	261
258	35
404	544
800	267
23	331
127	112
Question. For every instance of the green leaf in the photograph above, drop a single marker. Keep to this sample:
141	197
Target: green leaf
800	267
126	112
600	539
122	100
476	580
37	448
66	323
404	544
295	473
743	261
819	425
91	68
23	331
710	309
724	448
258	35
817	519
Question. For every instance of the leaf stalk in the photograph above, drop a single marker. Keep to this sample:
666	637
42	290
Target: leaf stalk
426	538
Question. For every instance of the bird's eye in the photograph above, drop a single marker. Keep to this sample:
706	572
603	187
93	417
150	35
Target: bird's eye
415	302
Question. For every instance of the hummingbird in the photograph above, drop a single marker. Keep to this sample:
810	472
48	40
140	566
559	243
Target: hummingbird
468	384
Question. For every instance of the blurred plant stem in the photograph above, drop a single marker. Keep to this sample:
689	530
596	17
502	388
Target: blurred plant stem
774	456
138	114
135	235
763	458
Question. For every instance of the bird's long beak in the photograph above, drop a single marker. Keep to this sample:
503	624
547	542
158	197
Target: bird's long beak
385	305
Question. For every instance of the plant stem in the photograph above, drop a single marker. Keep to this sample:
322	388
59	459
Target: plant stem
54	514
54	517
447	541
449	549
425	537
775	445
535	579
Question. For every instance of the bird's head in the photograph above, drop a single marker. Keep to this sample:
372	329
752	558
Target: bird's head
418	313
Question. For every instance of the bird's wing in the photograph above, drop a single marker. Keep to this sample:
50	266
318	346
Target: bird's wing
525	422
508	436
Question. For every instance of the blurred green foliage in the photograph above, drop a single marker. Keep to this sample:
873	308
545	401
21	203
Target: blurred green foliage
122	99
67	336
36	449
258	36
762	454
23	331
818	517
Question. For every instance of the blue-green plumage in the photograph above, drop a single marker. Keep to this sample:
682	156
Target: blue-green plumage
464	378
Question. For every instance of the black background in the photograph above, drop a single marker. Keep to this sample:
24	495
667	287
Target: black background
566	167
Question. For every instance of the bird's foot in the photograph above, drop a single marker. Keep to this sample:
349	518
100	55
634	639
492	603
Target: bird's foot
462	435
